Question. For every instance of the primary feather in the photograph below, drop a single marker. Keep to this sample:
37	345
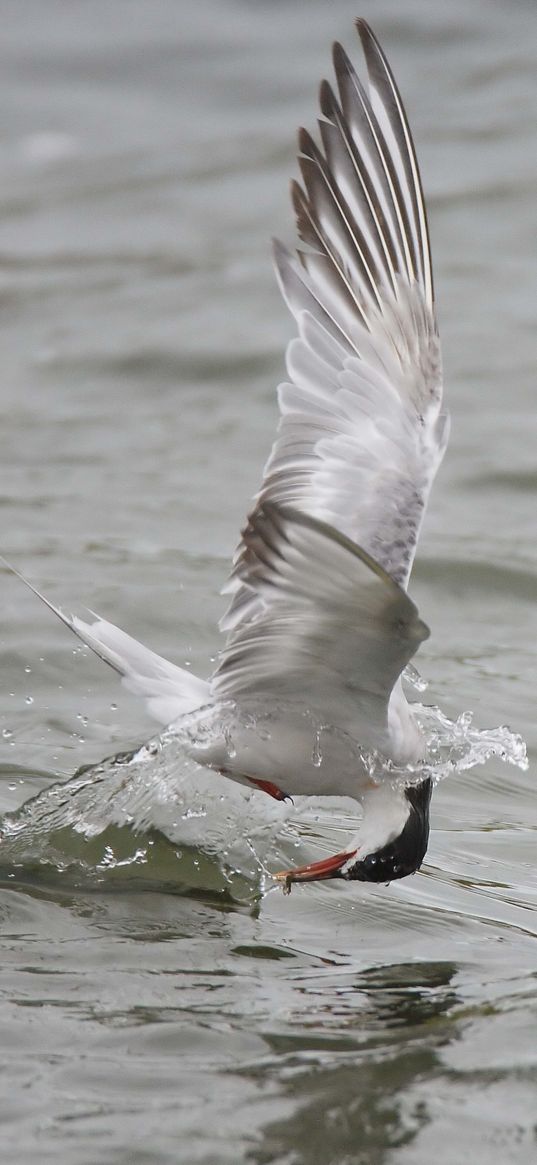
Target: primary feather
361	432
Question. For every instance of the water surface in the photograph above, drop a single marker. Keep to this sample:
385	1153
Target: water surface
151	1011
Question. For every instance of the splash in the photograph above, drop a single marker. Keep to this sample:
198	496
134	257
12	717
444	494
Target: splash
412	676
166	786
457	745
158	787
451	746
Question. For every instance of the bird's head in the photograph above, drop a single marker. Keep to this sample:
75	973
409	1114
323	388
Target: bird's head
402	854
392	844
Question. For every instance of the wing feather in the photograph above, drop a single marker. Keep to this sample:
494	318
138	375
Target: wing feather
361	431
331	625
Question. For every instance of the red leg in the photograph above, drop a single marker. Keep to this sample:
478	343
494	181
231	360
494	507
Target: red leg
265	786
270	788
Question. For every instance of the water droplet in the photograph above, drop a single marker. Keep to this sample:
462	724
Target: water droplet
231	751
27	670
113	707
316	753
413	677
12	787
189	813
29	700
6	733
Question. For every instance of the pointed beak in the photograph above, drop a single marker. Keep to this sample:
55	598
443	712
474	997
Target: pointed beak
327	868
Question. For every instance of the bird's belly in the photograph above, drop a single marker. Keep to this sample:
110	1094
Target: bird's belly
288	749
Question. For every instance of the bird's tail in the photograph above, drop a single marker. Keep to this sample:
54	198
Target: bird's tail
168	691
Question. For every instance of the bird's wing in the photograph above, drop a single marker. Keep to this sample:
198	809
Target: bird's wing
361	432
332	624
169	691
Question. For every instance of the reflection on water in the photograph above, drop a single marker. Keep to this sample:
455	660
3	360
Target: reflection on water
346	1097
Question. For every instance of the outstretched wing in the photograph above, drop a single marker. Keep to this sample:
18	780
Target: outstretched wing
332	624
361	432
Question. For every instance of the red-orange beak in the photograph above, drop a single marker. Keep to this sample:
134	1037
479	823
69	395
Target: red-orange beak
326	868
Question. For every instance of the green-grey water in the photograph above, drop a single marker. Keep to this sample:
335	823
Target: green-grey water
156	1009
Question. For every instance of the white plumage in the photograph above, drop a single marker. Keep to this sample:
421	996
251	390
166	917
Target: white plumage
319	626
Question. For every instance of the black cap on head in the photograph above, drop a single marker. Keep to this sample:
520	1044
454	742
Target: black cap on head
406	852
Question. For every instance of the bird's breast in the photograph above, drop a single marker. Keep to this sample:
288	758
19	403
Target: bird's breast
292	749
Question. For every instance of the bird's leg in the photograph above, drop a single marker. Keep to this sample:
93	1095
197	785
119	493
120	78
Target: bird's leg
270	788
265	786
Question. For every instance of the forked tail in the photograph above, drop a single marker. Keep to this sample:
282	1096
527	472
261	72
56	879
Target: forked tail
168	691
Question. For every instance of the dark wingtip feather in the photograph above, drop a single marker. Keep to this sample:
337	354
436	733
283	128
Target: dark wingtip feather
364	30
309	148
302	211
305	142
342	63
297	196
327	100
372	50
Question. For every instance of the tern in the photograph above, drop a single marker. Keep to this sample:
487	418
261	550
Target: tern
319	626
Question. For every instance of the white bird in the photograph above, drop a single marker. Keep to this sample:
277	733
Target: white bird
319	626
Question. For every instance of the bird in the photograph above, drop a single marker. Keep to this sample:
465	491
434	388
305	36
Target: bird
319	627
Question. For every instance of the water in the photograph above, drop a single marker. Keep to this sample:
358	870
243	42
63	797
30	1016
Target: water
154	1008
